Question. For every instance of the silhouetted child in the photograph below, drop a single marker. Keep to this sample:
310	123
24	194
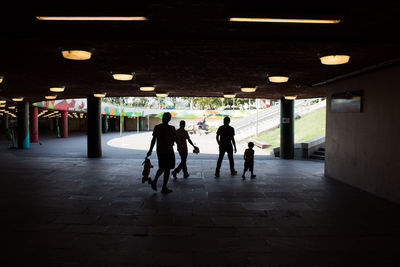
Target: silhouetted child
249	160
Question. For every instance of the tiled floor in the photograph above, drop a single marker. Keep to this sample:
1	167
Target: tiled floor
72	211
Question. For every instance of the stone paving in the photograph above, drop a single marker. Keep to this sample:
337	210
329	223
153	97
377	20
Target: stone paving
63	210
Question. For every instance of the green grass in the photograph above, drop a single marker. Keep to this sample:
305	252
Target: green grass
306	128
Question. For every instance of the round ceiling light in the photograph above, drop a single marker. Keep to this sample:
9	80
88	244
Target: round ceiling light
147	88
50	97
3	101
278	79
290	97
18	99
122	76
229	95
76	54
99	95
160	94
248	89
334	59
57	89
1	79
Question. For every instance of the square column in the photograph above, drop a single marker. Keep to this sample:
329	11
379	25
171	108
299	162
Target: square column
287	129
23	125
94	127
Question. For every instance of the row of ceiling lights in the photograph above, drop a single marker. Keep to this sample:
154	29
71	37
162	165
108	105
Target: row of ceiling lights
86	55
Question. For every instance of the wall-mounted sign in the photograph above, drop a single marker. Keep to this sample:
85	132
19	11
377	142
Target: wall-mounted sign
347	102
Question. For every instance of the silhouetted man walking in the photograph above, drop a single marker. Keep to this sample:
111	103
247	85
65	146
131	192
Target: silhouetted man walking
225	139
165	136
181	137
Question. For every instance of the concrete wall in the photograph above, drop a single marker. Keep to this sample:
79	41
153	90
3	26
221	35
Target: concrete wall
362	149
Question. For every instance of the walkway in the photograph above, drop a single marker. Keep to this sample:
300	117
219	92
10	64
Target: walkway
73	211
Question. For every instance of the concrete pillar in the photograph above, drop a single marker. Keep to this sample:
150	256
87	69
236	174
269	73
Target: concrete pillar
34	125
4	125
287	129
64	124
94	127
104	124
23	125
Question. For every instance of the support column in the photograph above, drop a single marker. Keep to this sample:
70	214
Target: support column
34	126
64	124
287	129
104	124
4	125
94	127
23	125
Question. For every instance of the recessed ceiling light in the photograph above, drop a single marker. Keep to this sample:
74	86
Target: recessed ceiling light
50	97
11	107
162	94
248	89
290	97
122	77
278	79
18	99
91	18
334	59
57	89
229	95
2	106
99	95
1	79
77	54
147	88
276	20
2	101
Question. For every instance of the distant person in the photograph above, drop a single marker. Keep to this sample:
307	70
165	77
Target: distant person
225	139
181	137
249	160
165	136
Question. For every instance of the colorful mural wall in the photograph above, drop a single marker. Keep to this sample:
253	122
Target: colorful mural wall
80	105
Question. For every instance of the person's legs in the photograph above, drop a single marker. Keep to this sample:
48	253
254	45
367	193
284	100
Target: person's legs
184	156
179	168
165	189
231	162
219	162
244	170
251	167
153	183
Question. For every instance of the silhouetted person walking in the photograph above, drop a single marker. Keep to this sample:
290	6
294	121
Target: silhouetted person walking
225	139
181	137
249	161
165	136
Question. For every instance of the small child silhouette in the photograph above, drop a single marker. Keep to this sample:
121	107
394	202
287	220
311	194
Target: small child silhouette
249	160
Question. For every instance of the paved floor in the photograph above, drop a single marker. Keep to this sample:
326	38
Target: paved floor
73	211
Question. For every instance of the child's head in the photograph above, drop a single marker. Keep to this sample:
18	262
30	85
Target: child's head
182	124
251	145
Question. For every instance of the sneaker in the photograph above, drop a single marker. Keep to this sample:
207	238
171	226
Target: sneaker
233	172
216	174
186	175
253	176
166	190
174	175
153	185
244	177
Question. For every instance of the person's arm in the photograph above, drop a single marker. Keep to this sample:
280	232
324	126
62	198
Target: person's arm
190	142
233	141
153	142
217	137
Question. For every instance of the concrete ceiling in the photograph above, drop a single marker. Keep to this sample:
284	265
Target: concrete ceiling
190	49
